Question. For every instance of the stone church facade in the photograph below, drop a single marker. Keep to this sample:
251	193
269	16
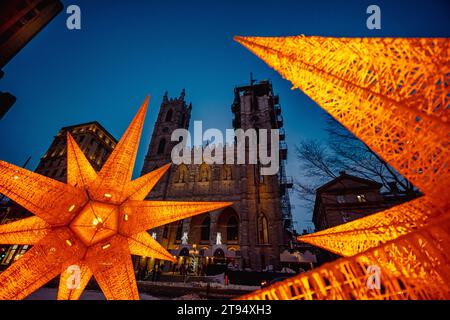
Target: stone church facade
257	227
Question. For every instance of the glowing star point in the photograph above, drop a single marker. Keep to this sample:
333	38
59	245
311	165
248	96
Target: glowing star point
78	230
393	94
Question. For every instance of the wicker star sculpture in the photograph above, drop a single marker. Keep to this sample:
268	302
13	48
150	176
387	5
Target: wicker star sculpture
393	94
92	224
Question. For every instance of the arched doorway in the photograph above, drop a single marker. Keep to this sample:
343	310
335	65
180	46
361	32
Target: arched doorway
219	256
184	252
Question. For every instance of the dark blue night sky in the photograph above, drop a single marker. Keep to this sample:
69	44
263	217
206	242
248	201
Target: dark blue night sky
129	49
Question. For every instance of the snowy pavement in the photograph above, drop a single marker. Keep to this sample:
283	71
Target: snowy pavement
51	293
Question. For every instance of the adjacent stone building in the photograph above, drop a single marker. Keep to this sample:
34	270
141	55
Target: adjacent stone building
94	140
347	198
96	143
344	199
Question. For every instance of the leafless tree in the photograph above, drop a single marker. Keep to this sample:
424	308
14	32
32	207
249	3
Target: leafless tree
322	161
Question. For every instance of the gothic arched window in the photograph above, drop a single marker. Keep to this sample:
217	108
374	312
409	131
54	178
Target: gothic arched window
232	229
227	173
182	173
169	115
203	172
179	230
263	230
161	146
205	229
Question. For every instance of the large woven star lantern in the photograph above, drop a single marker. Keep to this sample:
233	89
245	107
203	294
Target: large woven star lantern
393	94
91	225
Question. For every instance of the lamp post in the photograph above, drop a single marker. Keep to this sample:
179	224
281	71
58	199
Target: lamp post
194	255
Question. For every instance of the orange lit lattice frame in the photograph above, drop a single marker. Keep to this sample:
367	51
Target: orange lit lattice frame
393	94
412	267
91	235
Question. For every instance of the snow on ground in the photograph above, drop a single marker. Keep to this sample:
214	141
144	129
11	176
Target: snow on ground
51	293
192	296
202	285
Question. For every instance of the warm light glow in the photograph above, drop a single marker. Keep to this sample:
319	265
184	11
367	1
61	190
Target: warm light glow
354	237
393	94
104	250
97	221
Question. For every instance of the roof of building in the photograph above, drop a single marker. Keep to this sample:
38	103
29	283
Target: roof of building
346	176
88	124
343	176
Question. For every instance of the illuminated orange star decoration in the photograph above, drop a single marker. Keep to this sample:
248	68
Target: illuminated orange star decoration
92	224
393	94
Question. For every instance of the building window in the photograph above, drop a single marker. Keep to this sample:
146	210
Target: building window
205	229
22	251
169	115
179	230
182	173
340	199
10	254
203	172
361	198
232	229
165	232
161	146
263	230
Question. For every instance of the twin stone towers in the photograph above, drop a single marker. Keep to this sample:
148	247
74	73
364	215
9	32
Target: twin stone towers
256	229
